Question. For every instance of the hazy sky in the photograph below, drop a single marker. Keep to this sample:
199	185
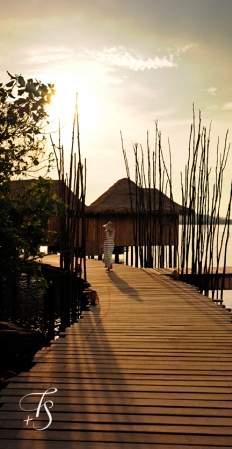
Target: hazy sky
132	62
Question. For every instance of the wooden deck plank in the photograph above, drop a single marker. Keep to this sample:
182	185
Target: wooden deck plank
143	404
114	379
174	415
150	366
203	426
161	434
160	391
9	444
196	400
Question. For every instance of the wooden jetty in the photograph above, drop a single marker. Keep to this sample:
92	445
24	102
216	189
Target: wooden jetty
149	367
217	279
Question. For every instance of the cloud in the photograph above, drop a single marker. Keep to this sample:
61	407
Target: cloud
184	49
44	54
122	58
227	106
211	90
179	50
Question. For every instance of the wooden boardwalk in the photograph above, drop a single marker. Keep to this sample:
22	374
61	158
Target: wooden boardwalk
149	367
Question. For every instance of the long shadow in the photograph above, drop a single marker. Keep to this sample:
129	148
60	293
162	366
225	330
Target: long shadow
124	287
94	401
103	393
177	286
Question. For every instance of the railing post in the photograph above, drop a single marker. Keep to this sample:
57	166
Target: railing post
65	299
49	302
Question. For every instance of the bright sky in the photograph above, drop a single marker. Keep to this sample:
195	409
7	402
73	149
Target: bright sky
132	62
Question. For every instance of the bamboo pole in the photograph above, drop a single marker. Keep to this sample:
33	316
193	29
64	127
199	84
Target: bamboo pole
200	208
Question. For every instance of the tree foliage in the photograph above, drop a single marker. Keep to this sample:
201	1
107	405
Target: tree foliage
24	219
24	224
22	119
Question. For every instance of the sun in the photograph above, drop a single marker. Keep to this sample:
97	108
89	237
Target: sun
72	90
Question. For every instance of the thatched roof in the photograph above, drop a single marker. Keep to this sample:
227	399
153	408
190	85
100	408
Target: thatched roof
117	200
18	187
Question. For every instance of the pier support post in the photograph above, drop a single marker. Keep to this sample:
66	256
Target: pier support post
132	256
126	250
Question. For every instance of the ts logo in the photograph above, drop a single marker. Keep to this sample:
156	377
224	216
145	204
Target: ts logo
46	404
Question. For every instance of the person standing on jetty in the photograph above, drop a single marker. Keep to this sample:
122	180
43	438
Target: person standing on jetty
108	244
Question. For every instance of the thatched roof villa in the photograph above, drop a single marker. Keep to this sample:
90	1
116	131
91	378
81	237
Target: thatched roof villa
141	216
136	212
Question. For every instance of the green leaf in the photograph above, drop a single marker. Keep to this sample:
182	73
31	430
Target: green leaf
30	88
36	93
20	101
21	81
34	106
43	88
10	84
21	91
11	76
25	109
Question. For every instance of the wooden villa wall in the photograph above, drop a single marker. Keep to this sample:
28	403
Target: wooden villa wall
124	235
54	225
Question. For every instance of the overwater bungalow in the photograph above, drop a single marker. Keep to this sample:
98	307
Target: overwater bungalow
141	217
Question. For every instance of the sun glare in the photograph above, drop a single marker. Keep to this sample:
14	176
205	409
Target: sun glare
68	91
